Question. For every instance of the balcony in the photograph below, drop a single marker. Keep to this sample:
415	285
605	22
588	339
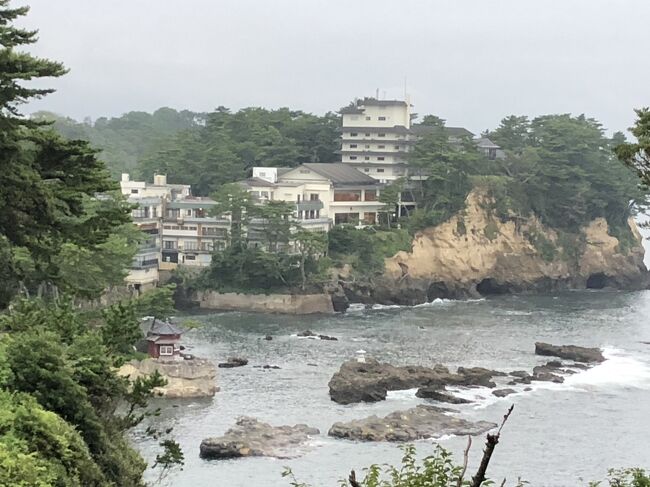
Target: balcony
144	264
309	205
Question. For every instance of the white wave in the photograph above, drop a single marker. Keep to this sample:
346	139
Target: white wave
402	395
356	307
386	306
620	369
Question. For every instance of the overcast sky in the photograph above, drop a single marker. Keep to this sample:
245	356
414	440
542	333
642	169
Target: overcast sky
472	62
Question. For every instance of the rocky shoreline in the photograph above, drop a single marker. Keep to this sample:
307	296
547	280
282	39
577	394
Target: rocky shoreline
368	380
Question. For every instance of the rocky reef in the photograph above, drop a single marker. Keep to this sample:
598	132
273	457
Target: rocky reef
417	423
253	438
475	253
185	378
370	381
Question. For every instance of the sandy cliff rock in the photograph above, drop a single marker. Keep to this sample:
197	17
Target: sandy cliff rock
474	253
185	378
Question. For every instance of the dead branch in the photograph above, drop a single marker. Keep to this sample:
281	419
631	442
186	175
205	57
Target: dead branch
465	460
492	441
353	480
503	483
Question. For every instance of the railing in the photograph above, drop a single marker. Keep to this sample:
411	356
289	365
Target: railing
309	205
144	264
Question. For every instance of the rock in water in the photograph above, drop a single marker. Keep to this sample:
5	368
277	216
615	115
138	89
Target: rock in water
503	392
369	381
570	352
233	362
252	438
185	378
413	424
435	394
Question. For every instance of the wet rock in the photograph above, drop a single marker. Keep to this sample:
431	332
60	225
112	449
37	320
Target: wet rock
553	364
503	392
268	338
327	337
570	352
435	394
311	334
478	376
369	381
413	424
546	374
233	362
520	374
266	367
579	366
253	438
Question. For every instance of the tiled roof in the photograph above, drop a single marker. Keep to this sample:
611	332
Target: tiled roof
159	327
340	173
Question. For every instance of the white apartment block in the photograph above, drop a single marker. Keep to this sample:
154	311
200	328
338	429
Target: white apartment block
375	137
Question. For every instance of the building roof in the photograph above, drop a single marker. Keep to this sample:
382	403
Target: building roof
257	182
160	327
419	129
193	202
356	107
340	173
485	143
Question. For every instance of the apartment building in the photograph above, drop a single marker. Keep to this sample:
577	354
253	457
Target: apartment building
190	233
324	194
375	137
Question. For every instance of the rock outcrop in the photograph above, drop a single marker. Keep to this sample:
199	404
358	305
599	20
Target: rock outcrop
185	378
370	381
475	253
413	424
253	438
569	352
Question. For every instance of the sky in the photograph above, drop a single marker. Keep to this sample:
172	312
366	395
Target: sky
471	62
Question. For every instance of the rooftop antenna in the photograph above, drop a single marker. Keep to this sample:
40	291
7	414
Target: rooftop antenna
377	93
404	87
384	94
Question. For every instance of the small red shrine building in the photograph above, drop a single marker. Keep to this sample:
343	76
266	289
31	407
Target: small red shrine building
163	340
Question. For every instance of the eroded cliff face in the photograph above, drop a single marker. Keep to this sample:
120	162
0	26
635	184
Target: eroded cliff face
474	253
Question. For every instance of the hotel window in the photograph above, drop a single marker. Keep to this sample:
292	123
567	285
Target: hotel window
313	197
367	118
134	191
166	350
304	171
380	170
367	146
381	135
353	158
380	158
188	212
366	170
353	146
367	158
381	146
262	174
381	118
367	135
397	147
353	134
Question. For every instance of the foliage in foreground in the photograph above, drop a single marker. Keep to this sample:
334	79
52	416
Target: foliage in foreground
440	470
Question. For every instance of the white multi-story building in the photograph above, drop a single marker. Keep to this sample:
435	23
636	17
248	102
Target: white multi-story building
375	137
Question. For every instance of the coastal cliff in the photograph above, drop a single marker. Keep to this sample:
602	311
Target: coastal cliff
476	253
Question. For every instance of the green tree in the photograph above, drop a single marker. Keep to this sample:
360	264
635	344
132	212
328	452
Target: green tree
390	197
44	178
310	245
637	155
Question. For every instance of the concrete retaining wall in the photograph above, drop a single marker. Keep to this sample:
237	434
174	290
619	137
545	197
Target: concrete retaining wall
298	304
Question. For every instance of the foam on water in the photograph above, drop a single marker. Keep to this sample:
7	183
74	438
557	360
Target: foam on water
620	369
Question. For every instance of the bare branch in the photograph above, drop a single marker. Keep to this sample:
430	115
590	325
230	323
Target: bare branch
465	460
353	480
492	441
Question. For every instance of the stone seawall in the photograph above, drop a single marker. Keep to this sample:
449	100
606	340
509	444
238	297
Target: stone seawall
298	304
